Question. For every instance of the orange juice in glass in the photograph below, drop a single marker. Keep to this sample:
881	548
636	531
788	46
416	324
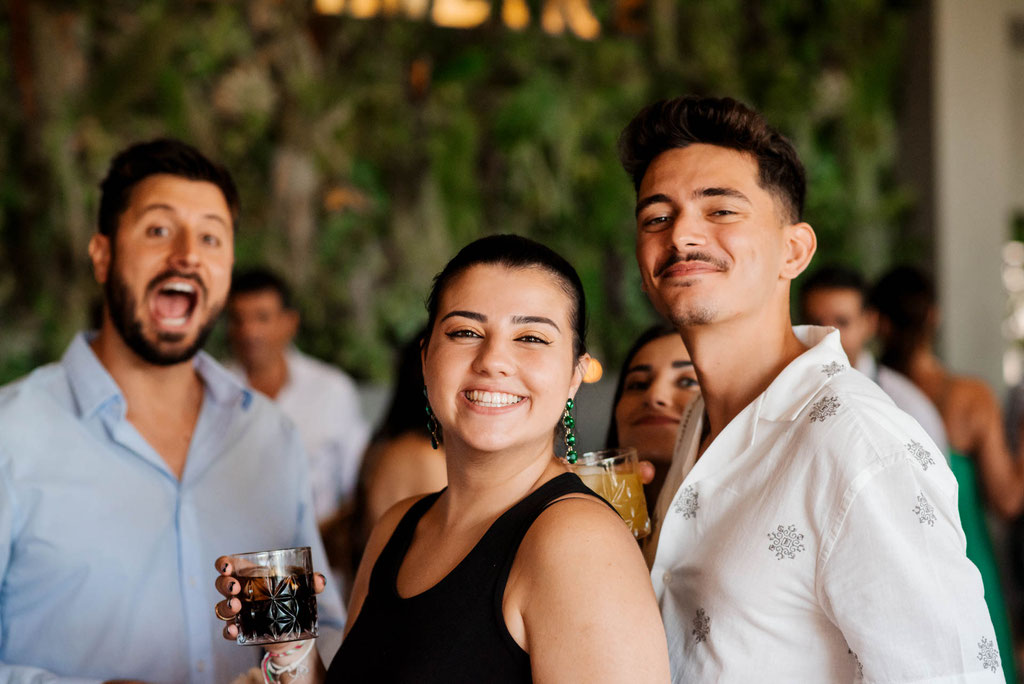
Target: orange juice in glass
612	474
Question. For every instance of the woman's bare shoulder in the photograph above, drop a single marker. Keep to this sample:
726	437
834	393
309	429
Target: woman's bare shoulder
387	523
576	527
973	395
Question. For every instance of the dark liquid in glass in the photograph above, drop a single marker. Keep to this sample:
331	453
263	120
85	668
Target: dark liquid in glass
276	607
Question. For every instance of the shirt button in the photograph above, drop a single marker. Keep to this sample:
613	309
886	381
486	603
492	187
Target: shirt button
201	666
667	577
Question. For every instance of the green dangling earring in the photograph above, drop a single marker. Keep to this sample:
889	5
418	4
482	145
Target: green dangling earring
568	422
431	421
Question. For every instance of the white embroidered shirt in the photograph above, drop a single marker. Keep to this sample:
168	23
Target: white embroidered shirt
817	539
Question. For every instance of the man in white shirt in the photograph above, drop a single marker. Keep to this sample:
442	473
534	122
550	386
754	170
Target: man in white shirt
836	297
808	528
322	401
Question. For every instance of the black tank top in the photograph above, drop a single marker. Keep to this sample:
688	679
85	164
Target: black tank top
454	631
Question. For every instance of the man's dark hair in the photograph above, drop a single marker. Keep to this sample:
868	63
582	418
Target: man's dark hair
905	298
832	277
161	156
684	121
254	280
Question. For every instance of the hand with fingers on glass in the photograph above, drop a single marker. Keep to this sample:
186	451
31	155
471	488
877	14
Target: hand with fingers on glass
280	656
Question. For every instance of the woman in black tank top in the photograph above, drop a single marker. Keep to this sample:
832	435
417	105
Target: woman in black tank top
515	572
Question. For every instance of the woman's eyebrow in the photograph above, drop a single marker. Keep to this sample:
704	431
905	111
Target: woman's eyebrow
466	314
523	320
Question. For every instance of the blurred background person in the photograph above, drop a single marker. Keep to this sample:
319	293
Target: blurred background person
399	462
656	384
986	472
836	297
320	399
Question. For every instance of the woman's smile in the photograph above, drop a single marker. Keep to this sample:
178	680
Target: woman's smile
487	399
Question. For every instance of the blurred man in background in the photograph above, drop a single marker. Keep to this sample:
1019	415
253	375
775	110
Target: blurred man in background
836	297
320	399
130	465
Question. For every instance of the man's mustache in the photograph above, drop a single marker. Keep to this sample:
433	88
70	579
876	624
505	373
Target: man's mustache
691	256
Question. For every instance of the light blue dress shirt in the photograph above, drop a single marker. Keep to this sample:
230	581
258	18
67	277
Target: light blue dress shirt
106	558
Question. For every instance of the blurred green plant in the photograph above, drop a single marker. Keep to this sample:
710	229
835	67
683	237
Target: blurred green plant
368	151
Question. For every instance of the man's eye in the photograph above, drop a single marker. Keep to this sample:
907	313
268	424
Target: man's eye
158	231
654	224
211	240
723	212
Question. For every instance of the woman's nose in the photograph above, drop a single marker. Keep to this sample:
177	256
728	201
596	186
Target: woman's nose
493	359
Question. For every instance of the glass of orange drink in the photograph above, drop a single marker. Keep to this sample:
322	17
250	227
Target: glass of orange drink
612	474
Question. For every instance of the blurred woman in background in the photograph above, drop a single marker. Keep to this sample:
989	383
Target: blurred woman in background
979	457
656	384
400	461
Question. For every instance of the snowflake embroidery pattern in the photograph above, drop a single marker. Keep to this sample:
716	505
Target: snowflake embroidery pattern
686	502
701	626
920	454
786	542
988	655
824	409
833	368
924	511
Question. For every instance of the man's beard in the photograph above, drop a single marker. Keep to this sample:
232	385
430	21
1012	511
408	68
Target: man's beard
701	315
121	306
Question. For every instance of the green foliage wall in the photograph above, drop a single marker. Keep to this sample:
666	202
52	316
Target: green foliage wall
367	151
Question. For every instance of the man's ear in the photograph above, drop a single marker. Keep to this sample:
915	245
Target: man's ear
292	319
99	253
871	320
801	243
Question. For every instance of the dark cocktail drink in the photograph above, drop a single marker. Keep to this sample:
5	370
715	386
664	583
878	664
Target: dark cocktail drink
275	607
277	595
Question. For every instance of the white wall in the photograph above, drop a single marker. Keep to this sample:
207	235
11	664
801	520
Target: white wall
974	125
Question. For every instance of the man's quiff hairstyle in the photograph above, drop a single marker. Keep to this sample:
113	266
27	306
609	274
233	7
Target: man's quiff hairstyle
162	156
684	121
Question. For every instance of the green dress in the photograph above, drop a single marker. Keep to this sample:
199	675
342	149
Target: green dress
979	550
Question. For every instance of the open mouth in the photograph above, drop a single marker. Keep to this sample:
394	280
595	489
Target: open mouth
492	399
174	303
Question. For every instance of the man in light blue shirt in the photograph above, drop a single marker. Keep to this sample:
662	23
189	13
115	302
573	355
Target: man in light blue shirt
128	467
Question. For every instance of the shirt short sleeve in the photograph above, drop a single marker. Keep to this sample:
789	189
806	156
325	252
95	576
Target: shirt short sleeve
897	583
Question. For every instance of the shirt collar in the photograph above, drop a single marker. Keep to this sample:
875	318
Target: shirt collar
93	387
222	385
801	380
91	384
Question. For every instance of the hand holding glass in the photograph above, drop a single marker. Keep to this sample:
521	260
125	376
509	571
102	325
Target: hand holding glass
277	595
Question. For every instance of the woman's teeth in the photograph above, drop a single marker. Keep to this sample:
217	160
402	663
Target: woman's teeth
492	399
